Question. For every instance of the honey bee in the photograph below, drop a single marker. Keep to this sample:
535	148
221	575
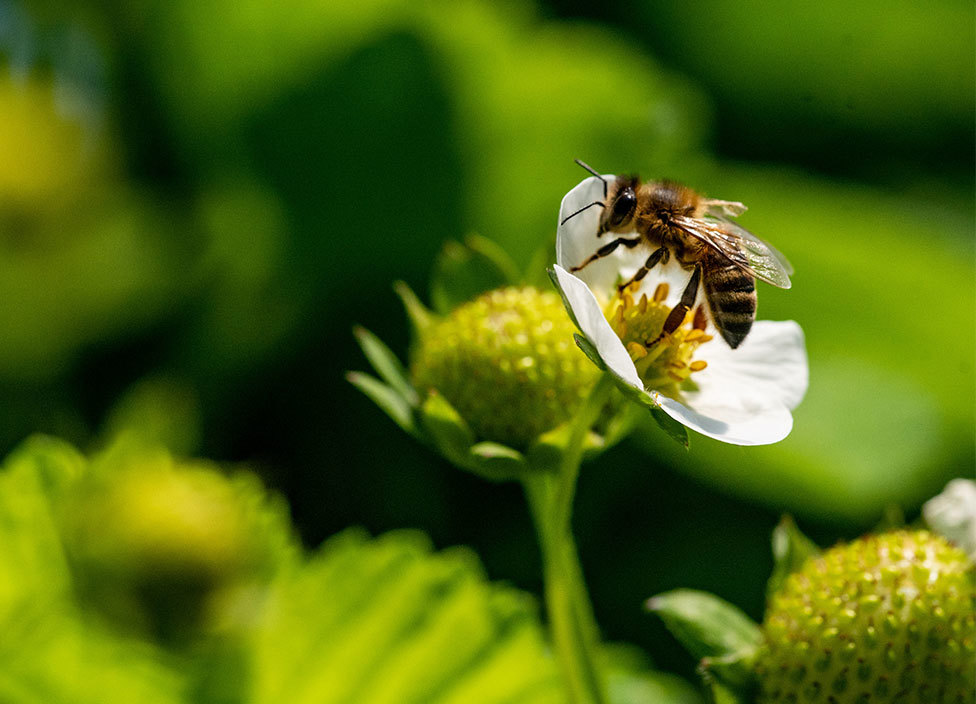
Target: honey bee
672	219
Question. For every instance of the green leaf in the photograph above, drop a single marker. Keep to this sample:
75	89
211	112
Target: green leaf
387	398
705	624
388	621
790	550
675	430
386	364
464	271
52	652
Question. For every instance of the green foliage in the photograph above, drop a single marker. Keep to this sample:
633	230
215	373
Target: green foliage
387	621
95	547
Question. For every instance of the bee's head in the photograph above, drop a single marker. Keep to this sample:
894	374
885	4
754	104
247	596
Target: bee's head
620	206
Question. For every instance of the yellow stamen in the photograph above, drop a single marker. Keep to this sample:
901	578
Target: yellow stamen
695	334
642	304
698	365
676	377
636	350
661	292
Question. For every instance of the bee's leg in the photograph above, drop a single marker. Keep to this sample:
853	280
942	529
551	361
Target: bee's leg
607	249
658	255
686	303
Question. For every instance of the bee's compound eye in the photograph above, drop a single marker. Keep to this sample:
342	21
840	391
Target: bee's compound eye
623	206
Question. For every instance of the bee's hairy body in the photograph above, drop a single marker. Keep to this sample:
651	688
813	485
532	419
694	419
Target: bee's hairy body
729	291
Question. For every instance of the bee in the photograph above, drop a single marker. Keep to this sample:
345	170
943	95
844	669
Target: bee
673	220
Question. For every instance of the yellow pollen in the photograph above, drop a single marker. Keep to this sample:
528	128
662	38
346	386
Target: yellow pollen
663	361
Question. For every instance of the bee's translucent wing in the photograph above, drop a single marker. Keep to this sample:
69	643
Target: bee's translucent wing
719	208
741	247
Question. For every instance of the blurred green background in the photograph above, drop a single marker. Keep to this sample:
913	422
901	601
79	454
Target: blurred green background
199	200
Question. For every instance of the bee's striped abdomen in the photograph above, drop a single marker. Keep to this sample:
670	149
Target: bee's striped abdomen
731	295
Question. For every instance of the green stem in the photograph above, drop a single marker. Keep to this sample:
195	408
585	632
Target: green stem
550	496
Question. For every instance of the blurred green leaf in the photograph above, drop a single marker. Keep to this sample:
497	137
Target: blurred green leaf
386	620
464	271
51	652
856	83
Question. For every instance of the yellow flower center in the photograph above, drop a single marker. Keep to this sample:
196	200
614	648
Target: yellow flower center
664	361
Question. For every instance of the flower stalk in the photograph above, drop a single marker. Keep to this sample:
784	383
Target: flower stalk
550	497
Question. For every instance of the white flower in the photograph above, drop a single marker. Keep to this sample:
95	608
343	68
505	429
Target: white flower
743	396
953	514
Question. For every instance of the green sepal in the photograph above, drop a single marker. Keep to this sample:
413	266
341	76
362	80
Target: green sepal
735	671
590	351
419	315
497	462
462	272
706	625
674	429
790	550
386	364
399	409
446	429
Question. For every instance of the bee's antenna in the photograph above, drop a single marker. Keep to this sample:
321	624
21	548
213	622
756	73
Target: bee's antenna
596	202
593	171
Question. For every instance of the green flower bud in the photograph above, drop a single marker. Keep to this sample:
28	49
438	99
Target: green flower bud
507	363
887	618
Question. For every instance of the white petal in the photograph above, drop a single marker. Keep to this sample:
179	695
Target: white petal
743	425
576	240
595	327
771	363
953	514
745	395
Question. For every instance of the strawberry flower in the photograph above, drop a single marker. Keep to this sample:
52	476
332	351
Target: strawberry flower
743	396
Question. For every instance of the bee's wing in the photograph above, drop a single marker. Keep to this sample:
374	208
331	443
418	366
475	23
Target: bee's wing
741	247
724	207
